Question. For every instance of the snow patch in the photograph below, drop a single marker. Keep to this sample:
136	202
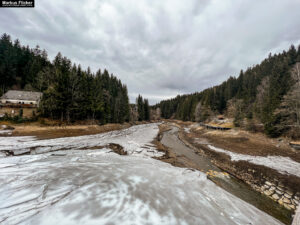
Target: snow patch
133	140
284	165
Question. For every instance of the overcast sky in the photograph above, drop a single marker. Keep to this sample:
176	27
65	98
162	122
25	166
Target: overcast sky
159	48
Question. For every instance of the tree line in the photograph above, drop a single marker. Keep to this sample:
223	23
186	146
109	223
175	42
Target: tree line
69	92
266	93
143	108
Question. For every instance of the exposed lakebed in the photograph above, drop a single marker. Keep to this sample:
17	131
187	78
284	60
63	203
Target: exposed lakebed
97	186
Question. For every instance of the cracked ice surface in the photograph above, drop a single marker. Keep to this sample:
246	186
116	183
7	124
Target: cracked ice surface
135	140
100	187
284	165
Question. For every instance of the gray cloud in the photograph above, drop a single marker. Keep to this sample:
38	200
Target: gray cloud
159	48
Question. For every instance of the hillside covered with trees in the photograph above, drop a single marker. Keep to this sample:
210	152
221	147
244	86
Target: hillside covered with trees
69	92
266	94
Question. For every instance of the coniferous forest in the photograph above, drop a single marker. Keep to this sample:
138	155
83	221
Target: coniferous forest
266	94
69	92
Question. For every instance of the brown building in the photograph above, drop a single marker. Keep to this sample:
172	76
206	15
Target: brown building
12	101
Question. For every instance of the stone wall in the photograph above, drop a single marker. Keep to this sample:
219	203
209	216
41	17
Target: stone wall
279	193
274	189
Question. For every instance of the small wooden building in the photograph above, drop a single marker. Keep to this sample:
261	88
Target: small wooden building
12	101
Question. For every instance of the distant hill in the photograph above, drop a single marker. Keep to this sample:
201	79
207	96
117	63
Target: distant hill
268	94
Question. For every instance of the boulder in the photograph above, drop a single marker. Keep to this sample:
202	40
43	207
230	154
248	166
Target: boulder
280	187
280	201
292	206
287	206
287	195
262	188
296	202
279	192
275	197
267	192
286	200
269	183
273	188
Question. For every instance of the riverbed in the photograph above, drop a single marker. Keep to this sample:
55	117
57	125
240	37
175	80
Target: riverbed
229	183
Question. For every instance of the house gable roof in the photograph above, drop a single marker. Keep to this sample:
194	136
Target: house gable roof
22	95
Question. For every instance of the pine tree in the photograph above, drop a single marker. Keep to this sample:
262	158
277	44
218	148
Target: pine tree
140	107
146	110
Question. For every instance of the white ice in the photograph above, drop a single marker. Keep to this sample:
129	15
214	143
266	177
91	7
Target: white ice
7	132
135	140
187	129
284	165
100	187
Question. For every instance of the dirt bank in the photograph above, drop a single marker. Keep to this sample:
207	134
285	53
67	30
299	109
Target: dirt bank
244	142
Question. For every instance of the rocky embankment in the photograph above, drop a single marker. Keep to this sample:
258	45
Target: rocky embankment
280	193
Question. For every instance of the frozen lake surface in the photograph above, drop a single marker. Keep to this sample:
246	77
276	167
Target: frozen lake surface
100	187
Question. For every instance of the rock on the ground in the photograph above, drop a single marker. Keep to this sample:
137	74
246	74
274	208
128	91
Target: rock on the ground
275	196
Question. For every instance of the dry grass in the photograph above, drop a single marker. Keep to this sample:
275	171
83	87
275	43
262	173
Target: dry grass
46	128
47	132
244	142
225	124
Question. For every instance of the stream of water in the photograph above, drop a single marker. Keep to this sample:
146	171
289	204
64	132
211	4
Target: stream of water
231	184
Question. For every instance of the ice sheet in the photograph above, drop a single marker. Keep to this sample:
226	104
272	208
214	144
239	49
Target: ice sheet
100	187
135	140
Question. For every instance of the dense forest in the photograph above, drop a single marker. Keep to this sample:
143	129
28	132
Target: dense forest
69	92
267	94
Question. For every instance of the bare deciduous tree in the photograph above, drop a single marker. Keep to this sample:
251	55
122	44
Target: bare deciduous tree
262	93
292	99
202	112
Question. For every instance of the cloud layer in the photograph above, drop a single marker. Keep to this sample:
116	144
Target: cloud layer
159	48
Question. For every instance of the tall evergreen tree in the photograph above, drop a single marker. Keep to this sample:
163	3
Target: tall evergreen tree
146	110
140	107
